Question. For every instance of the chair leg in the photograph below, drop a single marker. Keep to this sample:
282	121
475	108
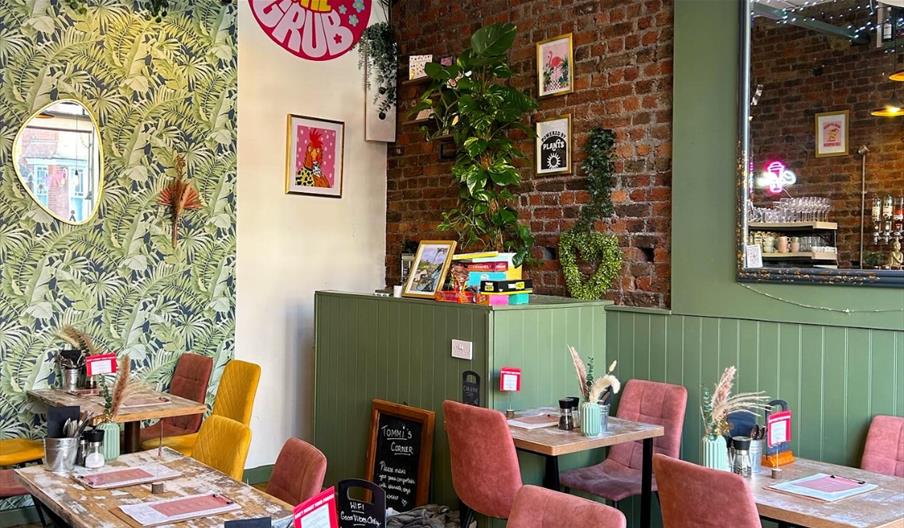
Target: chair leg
40	511
465	515
615	504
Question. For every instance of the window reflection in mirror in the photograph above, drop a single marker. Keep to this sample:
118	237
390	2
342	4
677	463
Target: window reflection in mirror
58	160
824	129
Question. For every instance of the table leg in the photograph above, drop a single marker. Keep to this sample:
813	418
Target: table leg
132	438
551	478
646	484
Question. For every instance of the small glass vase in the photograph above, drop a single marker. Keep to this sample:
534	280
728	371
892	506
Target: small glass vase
111	440
715	453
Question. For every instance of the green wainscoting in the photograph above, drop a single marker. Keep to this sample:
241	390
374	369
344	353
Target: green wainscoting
834	378
400	350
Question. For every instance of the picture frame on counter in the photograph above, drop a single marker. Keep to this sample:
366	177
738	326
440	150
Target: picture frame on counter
832	133
429	269
314	156
553	145
555	66
416	65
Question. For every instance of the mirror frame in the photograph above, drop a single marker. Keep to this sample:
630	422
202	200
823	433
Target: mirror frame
100	155
839	277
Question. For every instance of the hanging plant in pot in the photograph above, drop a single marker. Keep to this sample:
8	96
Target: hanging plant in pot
582	242
473	102
378	55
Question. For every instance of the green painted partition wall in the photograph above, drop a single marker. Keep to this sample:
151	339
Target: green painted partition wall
834	378
400	350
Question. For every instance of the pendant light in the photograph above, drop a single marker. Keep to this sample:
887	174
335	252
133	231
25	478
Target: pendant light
889	110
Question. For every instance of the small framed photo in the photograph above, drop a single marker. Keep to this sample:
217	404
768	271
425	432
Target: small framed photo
314	150
416	64
555	66
832	133
554	145
428	271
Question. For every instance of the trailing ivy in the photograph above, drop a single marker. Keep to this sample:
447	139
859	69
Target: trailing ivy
379	50
473	101
581	241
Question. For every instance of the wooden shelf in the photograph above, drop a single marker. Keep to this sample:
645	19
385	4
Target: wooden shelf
797	226
417	121
420	80
807	255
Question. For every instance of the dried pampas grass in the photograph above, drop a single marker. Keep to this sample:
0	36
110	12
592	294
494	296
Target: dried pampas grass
78	339
581	371
720	403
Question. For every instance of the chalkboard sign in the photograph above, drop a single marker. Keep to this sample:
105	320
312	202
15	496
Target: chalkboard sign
400	452
470	388
355	513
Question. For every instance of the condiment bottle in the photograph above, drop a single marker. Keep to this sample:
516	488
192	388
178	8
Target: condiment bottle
95	457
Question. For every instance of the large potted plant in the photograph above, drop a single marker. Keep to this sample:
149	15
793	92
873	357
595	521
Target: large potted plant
473	102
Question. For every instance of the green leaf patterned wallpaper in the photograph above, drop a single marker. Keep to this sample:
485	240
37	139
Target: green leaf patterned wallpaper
157	89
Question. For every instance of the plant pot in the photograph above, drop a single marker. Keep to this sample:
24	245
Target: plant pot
111	440
715	453
590	419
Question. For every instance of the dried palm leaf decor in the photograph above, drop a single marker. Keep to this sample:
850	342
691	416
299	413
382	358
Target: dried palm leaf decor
179	196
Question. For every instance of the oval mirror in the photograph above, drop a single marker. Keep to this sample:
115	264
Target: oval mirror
58	159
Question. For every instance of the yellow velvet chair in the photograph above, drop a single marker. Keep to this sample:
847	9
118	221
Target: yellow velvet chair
234	400
223	445
15	451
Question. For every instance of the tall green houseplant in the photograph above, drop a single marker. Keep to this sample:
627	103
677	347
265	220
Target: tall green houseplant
473	101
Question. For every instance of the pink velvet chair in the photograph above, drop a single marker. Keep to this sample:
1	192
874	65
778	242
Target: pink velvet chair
485	471
190	379
693	496
884	450
298	473
10	485
619	476
542	508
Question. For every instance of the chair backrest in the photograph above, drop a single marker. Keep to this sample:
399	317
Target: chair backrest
298	473
884	450
235	395
693	496
485	472
542	508
190	380
223	445
655	403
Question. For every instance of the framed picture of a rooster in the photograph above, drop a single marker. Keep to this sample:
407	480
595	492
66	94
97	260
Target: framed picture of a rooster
314	150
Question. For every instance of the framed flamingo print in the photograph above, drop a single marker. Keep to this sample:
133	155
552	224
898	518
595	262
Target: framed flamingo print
555	66
314	150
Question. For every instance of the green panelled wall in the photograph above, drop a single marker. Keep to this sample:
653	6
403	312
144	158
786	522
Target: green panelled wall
703	192
400	350
835	379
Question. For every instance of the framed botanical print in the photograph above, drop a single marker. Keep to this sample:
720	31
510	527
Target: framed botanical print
555	66
832	133
554	145
428	271
314	153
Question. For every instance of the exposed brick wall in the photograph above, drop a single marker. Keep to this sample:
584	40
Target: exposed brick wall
623	81
804	73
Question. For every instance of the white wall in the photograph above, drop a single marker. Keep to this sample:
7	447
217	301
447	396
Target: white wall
291	245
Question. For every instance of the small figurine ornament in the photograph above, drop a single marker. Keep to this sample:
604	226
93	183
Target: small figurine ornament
895	256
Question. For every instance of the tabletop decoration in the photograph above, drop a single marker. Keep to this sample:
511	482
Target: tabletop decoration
595	411
717	404
72	361
122	388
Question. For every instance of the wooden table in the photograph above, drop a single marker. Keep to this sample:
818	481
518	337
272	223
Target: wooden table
551	442
880	508
83	507
92	404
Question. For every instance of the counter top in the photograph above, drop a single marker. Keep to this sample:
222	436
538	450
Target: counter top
537	302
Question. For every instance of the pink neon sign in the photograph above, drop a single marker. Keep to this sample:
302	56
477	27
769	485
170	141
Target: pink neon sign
775	177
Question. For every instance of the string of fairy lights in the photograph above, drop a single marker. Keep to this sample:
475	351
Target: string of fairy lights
823	308
817	10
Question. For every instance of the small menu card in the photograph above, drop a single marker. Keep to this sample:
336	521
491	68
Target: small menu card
100	364
125	476
828	488
317	512
170	511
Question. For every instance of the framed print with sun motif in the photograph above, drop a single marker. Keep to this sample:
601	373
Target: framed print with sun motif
314	156
554	145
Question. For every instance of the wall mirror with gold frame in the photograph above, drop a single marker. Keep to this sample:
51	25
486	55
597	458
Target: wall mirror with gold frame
59	160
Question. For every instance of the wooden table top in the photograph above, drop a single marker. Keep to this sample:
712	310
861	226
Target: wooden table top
553	441
83	507
880	508
93	404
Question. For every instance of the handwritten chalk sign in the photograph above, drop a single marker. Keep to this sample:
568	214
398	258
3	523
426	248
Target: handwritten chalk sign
400	452
355	513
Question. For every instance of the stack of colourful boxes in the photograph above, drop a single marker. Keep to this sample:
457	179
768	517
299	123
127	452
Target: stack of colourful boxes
506	292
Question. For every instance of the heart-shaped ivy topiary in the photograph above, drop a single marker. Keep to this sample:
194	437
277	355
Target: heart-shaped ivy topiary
601	251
